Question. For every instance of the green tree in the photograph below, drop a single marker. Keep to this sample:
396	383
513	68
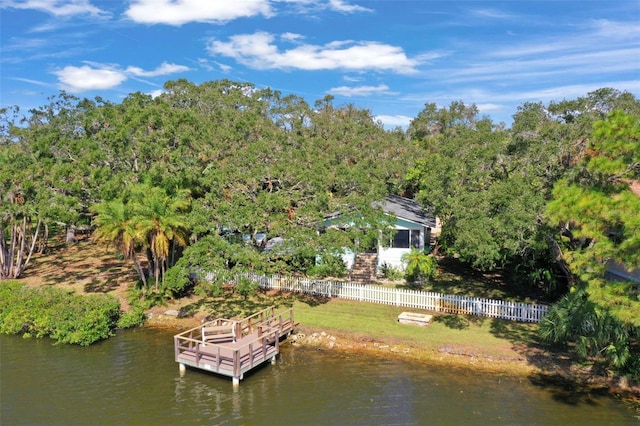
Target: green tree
597	211
161	218
489	208
21	216
115	225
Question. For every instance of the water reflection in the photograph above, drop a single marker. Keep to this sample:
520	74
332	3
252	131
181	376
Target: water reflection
133	379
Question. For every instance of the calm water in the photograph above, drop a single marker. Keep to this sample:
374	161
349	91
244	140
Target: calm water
132	379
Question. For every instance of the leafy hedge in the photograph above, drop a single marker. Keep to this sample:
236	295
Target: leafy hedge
58	314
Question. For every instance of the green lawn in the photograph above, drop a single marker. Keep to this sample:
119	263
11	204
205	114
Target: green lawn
467	335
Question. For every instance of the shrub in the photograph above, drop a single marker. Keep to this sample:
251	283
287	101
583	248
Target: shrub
420	266
56	313
328	265
246	287
391	273
177	282
132	318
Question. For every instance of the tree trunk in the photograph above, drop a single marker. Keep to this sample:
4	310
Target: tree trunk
139	270
12	256
44	240
71	235
556	252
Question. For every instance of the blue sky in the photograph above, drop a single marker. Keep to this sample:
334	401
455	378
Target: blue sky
390	57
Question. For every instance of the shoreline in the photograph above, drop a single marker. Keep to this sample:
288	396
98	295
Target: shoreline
562	375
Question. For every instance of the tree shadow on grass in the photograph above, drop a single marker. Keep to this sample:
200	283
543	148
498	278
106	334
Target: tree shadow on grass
455	277
525	341
310	299
458	322
230	304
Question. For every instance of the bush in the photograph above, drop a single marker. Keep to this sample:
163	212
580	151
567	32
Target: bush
589	329
328	265
420	266
132	318
177	281
391	273
246	287
56	313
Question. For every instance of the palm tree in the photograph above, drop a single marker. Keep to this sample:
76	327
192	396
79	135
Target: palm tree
115	225
420	266
162	220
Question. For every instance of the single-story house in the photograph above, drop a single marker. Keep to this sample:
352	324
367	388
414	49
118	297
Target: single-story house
414	228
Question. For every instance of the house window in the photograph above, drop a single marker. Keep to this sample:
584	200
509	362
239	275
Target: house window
406	238
415	238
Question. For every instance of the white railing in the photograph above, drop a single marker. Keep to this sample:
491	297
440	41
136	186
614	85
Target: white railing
453	304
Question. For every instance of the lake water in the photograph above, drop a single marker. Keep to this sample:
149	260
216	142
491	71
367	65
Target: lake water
132	379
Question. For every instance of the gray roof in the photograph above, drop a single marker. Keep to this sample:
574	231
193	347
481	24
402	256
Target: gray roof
405	208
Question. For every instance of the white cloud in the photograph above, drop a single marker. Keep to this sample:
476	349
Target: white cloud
259	51
488	108
164	69
341	6
291	37
179	12
351	79
60	8
81	79
394	120
360	90
94	76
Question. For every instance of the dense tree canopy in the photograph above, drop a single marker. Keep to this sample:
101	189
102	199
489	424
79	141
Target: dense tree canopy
599	212
203	176
488	201
253	161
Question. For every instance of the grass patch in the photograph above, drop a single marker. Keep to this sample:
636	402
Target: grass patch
464	335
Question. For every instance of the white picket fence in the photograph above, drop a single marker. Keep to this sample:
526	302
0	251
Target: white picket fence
446	303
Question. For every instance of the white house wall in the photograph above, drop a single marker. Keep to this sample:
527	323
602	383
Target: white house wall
393	256
348	257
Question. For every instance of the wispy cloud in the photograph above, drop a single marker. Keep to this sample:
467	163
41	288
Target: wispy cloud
303	7
34	82
259	51
342	6
172	12
164	69
59	8
360	90
493	14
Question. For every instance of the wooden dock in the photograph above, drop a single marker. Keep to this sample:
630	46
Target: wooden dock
232	347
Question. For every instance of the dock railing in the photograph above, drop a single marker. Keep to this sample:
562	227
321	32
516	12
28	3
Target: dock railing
233	346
